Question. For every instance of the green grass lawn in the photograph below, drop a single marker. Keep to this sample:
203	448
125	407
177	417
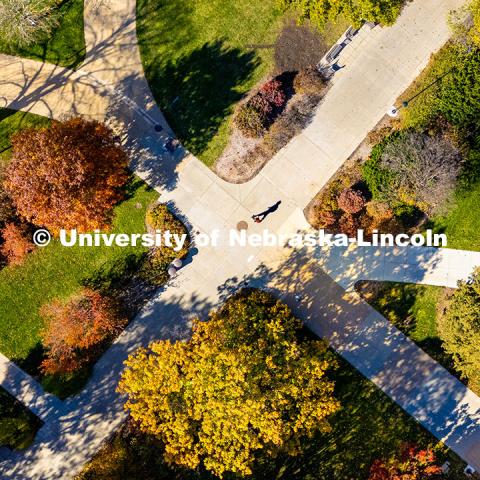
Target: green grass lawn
18	425
65	47
57	271
202	57
461	224
198	63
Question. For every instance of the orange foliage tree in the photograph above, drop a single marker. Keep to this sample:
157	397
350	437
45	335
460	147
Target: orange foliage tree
76	329
68	175
16	245
412	464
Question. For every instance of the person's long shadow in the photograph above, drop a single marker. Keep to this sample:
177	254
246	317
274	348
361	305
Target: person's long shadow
260	217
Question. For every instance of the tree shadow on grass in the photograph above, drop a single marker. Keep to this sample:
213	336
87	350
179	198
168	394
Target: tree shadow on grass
198	90
368	426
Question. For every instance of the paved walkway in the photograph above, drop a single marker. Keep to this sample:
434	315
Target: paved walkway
28	391
110	85
422	265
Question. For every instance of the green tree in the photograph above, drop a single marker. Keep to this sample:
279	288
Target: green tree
450	87
459	327
459	99
321	11
245	382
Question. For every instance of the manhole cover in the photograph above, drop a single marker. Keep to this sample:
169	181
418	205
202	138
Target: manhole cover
243	225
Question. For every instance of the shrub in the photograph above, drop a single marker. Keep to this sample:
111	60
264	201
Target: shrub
379	211
69	175
348	225
160	218
76	329
290	123
159	259
424	170
261	104
474	32
375	176
209	399
383	11
309	81
16	245
250	121
351	201
273	92
23	22
411	464
326	219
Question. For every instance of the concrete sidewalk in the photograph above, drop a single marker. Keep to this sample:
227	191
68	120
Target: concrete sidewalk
422	265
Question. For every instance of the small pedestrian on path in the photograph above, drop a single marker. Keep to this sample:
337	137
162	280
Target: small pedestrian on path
260	217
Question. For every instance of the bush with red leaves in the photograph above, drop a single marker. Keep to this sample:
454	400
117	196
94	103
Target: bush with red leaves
412	464
273	92
351	201
255	116
76	329
261	104
16	246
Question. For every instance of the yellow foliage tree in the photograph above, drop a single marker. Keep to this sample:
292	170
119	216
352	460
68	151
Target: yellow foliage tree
474	32
246	382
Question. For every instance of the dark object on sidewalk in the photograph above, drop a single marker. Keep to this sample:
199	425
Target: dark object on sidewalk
171	145
260	217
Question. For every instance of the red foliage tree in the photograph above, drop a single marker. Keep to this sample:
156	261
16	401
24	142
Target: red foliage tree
412	464
351	201
66	176
273	92
76	329
16	245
